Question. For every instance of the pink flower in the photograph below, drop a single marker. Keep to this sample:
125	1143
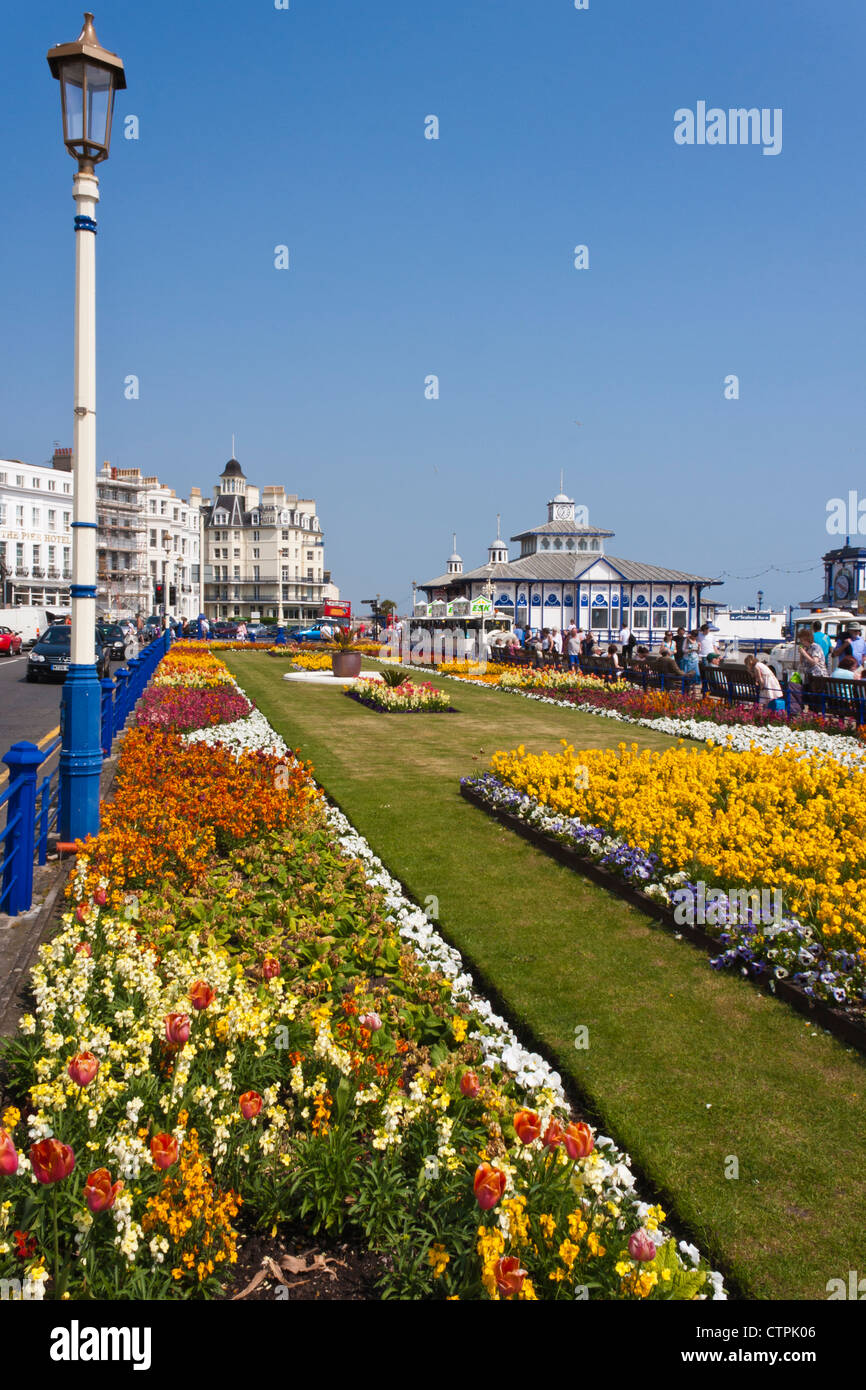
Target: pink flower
641	1245
372	1022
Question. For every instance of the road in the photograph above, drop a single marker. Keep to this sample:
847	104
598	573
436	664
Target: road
30	712
26	711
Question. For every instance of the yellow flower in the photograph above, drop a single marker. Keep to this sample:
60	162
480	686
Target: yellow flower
438	1259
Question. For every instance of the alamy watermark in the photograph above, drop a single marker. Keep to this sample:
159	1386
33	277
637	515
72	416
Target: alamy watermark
738	125
846	516
716	907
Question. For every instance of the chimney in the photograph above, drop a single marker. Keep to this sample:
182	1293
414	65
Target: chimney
62	459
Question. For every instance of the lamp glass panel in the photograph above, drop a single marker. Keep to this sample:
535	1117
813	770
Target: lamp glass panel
72	82
99	92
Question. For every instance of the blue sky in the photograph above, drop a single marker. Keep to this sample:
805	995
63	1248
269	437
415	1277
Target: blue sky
411	257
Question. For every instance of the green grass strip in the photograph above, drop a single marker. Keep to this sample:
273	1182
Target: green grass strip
687	1069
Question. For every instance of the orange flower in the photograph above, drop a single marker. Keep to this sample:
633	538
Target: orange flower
250	1103
527	1126
83	1068
201	995
552	1135
51	1160
509	1276
578	1140
99	1193
488	1185
469	1086
164	1150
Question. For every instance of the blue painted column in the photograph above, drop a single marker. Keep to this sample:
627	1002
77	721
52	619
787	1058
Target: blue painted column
22	761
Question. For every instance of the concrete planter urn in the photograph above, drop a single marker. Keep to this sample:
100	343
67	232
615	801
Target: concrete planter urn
346	664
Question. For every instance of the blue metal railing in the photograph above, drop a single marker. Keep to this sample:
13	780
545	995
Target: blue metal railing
33	807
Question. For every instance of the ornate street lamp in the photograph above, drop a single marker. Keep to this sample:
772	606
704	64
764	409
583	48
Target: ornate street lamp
89	76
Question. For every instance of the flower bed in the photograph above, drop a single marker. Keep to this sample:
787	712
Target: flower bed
182	708
287	1035
731	821
312	661
401	699
640	704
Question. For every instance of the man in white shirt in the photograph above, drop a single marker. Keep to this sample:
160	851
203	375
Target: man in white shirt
706	642
557	641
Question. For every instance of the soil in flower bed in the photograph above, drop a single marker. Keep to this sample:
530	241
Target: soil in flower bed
331	1271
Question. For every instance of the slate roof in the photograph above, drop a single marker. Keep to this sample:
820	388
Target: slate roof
566	567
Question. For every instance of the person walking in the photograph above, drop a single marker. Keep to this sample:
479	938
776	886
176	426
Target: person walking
572	649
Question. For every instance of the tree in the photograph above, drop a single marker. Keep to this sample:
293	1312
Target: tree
387	607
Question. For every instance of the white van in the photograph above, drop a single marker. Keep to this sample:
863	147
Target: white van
30	622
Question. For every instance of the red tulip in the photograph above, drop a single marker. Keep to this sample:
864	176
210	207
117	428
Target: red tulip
100	897
469	1086
164	1150
81	912
509	1276
201	995
578	1140
270	967
372	1022
527	1126
251	1104
177	1029
488	1185
641	1245
99	1193
84	948
83	1068
51	1160
552	1135
8	1155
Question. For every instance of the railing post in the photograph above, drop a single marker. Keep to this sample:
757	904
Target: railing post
22	761
134	687
121	676
107	715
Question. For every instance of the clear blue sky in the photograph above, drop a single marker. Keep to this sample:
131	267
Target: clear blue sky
411	257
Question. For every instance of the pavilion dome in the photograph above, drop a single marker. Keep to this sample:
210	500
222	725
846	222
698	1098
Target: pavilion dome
233	470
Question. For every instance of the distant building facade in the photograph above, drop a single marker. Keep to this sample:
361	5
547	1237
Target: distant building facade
35	532
261	546
563	575
146	536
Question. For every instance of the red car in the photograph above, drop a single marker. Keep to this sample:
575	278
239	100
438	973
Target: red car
10	642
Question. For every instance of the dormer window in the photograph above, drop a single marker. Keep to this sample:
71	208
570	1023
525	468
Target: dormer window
255	518
221	518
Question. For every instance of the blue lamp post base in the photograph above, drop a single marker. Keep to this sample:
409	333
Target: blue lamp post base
81	753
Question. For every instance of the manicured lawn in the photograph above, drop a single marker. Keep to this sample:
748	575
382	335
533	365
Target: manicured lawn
685	1067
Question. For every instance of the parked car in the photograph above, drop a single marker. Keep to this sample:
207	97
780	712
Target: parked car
224	632
307	634
121	646
10	642
50	656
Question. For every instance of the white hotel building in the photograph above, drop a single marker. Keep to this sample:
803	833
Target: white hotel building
35	531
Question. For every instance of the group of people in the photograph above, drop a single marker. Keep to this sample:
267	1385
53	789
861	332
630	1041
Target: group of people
679	654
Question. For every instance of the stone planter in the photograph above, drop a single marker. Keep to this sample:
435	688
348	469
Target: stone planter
346	663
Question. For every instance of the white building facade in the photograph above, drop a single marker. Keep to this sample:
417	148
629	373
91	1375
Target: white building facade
35	532
263	551
147	536
563	575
